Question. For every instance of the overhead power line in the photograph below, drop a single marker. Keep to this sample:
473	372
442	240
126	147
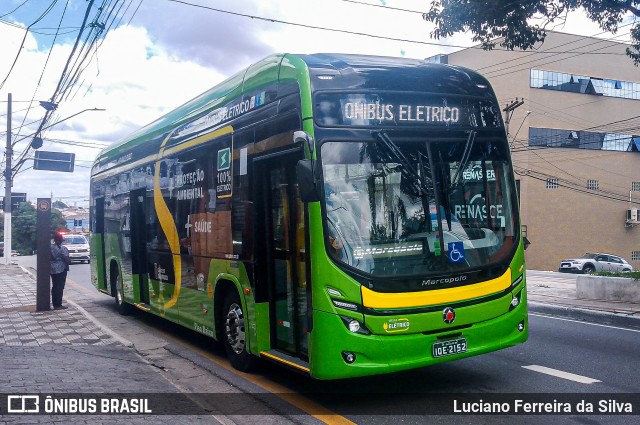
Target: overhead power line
382	6
552	52
15	60
319	28
545	61
612	196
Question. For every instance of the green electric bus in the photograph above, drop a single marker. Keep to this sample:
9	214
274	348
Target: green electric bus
342	215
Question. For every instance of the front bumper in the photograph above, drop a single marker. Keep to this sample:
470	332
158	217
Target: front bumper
79	256
377	354
570	268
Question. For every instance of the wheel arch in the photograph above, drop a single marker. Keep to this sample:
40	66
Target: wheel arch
114	270
223	284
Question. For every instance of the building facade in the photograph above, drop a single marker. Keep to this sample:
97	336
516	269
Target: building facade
573	121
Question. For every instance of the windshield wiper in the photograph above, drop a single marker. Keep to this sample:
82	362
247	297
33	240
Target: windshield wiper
418	178
393	148
464	160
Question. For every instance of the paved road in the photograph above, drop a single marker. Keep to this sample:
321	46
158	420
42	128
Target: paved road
78	272
567	360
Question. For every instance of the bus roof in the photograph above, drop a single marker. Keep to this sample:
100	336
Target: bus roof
357	72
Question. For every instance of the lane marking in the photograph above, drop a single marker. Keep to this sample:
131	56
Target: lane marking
583	322
561	374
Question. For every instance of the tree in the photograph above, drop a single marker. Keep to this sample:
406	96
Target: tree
58	221
23	225
510	20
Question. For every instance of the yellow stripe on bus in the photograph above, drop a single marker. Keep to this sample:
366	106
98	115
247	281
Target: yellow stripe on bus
373	299
164	214
168	227
284	361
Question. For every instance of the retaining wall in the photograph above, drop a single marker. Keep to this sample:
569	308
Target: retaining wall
608	288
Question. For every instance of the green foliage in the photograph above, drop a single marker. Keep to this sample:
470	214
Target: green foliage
57	221
511	21
23	229
633	275
23	226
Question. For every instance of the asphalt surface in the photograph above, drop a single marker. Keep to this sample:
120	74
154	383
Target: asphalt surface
73	350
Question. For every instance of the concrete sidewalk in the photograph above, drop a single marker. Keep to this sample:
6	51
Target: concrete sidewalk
553	294
64	351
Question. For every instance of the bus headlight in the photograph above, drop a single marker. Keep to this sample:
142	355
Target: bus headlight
345	305
348	357
515	301
354	325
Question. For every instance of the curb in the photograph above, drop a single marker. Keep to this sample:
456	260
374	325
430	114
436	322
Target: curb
280	406
586	315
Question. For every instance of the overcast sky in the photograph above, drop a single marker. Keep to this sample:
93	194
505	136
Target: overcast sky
157	54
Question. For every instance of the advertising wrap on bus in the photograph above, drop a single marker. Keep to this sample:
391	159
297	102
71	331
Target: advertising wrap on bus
340	215
403	109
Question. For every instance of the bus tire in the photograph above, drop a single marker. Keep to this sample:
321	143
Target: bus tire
233	333
118	294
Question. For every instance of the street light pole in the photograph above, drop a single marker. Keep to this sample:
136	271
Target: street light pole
513	141
9	172
7	188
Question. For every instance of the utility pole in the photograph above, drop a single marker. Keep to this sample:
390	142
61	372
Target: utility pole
7	188
508	112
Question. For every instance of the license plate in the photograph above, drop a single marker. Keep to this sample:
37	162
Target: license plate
448	348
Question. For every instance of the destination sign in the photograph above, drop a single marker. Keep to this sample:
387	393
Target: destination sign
403	109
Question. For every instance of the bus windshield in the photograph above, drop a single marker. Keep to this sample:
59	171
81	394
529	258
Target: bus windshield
418	206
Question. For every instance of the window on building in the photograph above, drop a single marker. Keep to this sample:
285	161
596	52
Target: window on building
552	183
560	138
635	186
592	184
573	83
635	255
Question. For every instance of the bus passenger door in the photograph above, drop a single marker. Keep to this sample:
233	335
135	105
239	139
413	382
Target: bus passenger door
282	223
99	230
138	233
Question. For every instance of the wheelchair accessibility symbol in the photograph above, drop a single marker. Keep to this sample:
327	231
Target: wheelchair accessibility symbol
456	252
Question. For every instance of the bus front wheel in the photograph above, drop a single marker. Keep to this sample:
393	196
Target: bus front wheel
234	336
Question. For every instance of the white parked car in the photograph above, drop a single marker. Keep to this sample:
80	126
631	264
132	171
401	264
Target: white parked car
78	247
591	263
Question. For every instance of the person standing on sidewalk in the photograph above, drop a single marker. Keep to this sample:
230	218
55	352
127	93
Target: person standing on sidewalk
59	266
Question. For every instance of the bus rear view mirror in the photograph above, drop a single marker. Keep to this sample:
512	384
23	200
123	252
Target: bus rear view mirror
306	181
302	138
